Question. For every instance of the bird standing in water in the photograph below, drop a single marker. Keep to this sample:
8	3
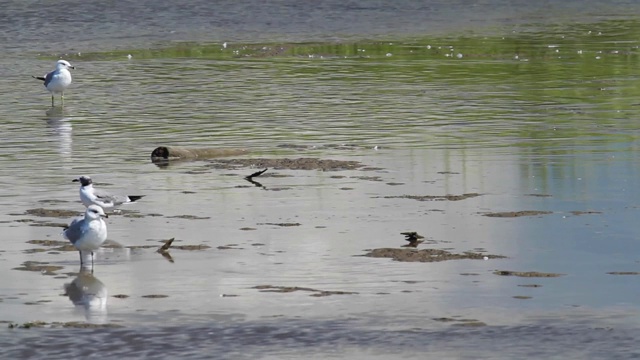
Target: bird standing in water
413	238
88	233
58	80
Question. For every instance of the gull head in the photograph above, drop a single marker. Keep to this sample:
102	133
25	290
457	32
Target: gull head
84	180
95	212
63	64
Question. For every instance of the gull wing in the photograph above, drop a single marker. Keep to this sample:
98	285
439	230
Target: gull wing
48	77
75	231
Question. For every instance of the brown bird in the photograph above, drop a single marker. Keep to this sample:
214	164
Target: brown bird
413	238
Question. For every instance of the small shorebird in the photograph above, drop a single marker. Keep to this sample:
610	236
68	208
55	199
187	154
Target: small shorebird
58	80
88	233
91	196
413	238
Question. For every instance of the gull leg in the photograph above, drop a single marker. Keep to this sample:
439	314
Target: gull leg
52	98
62	99
80	252
92	260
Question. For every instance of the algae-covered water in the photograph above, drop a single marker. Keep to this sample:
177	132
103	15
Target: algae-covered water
492	129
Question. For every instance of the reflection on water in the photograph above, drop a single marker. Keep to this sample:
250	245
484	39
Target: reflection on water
60	125
88	293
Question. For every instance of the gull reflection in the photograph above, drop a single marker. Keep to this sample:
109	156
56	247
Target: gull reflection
87	292
61	128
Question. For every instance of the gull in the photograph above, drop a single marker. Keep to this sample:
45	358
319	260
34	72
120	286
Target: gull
58	80
87	233
90	196
413	238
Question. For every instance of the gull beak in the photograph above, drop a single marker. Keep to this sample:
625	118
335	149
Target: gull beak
105	215
75	180
72	67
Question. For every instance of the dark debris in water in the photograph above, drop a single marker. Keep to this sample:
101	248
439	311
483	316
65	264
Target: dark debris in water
426	255
48	224
275	175
189	217
70	324
48	242
52	201
133	216
447	197
512	214
289	289
41	267
229	247
368	178
623	273
155	296
191	247
54	213
526	273
179	247
68	247
285	224
588	212
167	244
290	164
164	250
33	251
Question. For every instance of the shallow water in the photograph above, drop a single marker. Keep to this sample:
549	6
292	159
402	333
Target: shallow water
530	110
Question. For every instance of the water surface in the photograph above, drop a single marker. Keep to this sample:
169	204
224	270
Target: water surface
531	107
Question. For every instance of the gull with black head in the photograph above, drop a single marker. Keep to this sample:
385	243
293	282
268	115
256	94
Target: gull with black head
92	196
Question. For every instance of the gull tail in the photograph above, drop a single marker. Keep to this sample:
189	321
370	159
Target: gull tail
38	77
133	198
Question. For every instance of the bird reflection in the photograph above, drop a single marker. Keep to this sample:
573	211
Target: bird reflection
61	128
90	294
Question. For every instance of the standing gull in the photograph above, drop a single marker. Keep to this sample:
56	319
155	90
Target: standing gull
90	196
88	233
58	80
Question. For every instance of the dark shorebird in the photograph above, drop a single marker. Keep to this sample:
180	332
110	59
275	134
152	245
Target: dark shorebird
413	238
58	80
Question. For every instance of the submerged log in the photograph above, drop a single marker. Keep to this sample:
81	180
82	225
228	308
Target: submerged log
176	152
